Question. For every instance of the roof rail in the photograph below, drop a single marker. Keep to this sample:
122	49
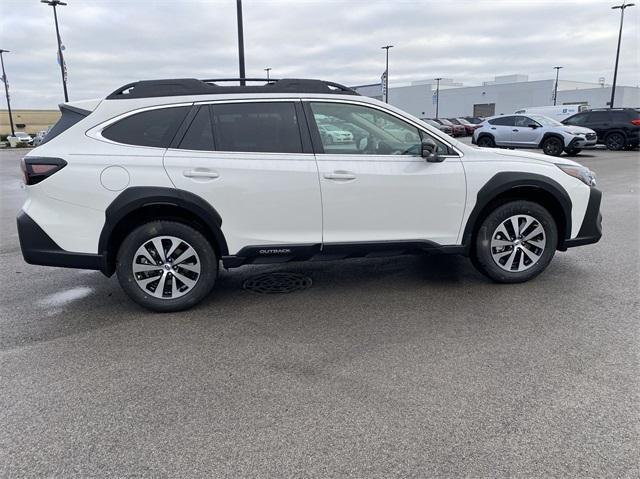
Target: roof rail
192	86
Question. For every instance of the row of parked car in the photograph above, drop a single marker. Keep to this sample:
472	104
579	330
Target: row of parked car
21	138
456	126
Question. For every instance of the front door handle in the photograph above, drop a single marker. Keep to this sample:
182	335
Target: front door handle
200	173
493	127
515	130
340	175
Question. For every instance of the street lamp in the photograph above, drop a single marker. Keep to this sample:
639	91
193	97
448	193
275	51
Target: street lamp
437	95
54	4
386	74
240	41
555	90
267	70
6	90
615	71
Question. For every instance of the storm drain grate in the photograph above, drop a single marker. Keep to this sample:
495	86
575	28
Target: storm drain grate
273	283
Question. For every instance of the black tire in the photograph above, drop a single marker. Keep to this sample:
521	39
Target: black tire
615	141
482	257
572	151
553	146
204	282
486	142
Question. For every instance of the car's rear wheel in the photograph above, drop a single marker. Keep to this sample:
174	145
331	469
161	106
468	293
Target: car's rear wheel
614	141
515	242
166	266
553	146
572	151
486	142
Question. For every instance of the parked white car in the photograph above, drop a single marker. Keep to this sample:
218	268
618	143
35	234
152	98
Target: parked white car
533	131
19	137
332	134
557	112
164	181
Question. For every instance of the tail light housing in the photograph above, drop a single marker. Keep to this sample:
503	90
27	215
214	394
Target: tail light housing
636	122
37	169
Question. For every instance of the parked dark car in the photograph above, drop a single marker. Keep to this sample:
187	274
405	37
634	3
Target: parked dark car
617	128
475	120
458	130
444	128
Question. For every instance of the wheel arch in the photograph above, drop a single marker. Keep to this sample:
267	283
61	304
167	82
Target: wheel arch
548	135
510	186
139	205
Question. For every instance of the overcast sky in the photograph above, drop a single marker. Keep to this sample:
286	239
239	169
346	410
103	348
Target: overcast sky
113	42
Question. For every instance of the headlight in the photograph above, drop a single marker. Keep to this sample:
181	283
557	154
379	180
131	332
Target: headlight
584	174
573	133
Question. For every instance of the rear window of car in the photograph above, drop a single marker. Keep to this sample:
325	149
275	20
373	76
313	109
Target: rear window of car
154	128
503	121
620	116
268	127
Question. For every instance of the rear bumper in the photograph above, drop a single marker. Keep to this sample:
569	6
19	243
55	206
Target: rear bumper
591	229
38	248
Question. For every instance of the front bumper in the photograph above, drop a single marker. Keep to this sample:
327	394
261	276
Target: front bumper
38	248
580	142
591	229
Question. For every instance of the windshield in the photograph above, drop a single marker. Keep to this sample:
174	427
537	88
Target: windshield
445	122
545	120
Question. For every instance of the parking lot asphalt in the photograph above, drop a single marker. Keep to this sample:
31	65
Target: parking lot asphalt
396	367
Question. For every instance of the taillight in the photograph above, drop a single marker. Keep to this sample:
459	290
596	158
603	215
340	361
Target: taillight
636	122
36	169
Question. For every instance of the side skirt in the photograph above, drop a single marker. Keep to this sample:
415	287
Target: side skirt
270	254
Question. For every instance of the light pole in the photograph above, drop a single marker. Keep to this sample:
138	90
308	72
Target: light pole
437	95
267	70
240	41
386	74
555	90
6	90
615	71
54	4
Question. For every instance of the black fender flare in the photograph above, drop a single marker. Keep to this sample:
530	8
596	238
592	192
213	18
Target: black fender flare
137	197
509	180
548	135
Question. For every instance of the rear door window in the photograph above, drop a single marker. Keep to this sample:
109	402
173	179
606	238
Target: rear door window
148	128
599	117
503	121
268	127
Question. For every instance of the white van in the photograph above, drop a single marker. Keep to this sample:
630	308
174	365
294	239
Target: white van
557	112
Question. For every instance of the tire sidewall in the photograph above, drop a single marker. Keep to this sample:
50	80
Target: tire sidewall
483	259
139	236
614	135
487	142
553	140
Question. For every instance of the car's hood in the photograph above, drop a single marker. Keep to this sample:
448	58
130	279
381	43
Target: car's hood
578	129
527	155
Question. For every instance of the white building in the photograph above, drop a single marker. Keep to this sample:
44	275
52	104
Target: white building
505	94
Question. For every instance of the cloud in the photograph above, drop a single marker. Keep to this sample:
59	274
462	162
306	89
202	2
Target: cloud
113	42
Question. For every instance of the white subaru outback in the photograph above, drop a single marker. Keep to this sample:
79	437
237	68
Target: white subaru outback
164	181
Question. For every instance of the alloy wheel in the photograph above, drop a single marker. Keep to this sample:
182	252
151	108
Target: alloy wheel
166	267
518	243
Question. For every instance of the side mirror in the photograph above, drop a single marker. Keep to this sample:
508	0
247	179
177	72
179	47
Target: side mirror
533	125
429	151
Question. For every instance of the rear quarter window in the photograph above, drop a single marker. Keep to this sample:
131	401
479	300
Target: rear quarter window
154	128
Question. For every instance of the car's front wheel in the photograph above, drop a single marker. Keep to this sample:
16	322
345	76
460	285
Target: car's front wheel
515	242
553	146
572	151
615	141
166	266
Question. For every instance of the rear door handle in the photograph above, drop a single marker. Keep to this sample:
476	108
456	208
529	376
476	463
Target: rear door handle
200	173
340	175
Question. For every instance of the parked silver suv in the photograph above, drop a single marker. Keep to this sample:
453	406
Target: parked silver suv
533	131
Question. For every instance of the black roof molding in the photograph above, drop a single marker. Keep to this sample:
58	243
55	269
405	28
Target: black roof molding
192	86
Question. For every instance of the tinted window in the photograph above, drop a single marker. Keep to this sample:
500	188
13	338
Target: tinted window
523	121
199	135
578	120
256	127
359	130
599	117
619	116
148	128
503	121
